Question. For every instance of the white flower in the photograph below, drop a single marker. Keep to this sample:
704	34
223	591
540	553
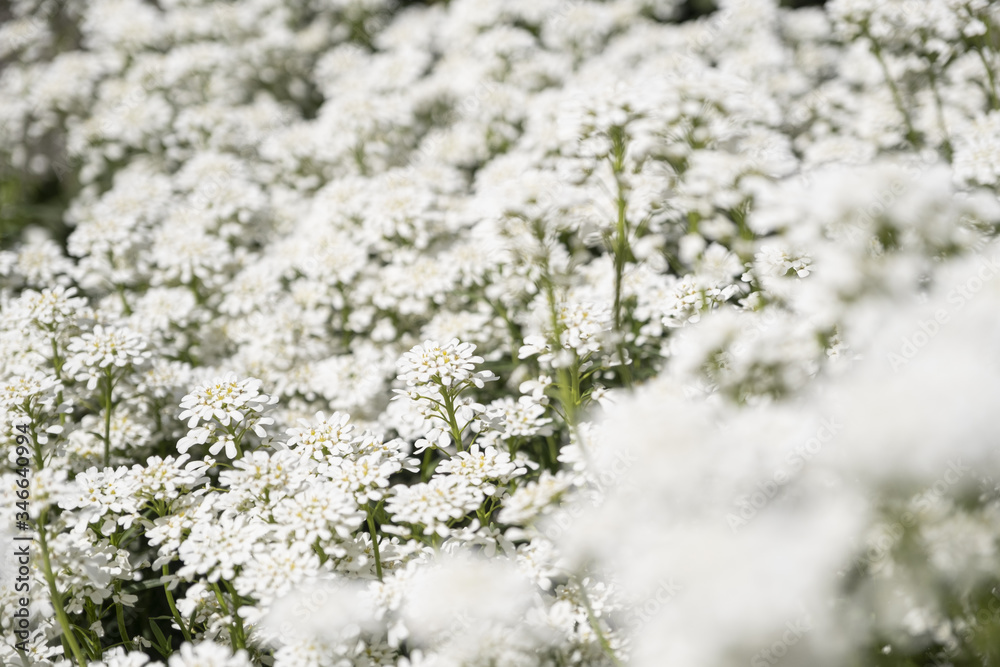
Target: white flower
533	345
196	436
536	388
225	399
582	324
276	568
479	465
451	363
522	418
366	476
166	478
208	654
225	442
216	547
320	512
55	307
16	390
977	150
104	347
463	594
323	435
118	657
773	261
435	503
525	504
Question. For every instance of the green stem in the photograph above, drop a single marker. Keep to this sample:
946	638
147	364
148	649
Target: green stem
980	47
425	467
621	253
193	285
233	638
57	364
596	627
512	330
620	248
553	453
57	603
345	333
564	381
449	406
108	386
620	243
994	99
240	631
121	295
120	613
374	533
91	643
946	141
911	133
36	449
173	606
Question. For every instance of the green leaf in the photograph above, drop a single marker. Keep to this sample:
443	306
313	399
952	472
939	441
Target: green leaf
164	646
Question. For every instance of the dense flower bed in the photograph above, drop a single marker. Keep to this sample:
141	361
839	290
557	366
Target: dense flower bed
500	332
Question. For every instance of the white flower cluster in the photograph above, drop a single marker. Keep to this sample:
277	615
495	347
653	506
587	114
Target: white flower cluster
448	365
235	405
499	332
436	375
104	348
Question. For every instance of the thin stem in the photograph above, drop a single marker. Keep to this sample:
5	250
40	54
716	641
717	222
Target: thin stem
108	385
91	643
596	627
620	243
121	295
120	614
981	50
620	248
553	453
233	638
36	449
994	99
512	331
425	467
565	383
57	364
374	533
173	606
236	614
911	133
449	406
946	141
57	603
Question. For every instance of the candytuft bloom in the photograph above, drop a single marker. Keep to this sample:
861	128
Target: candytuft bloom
225	399
448	364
